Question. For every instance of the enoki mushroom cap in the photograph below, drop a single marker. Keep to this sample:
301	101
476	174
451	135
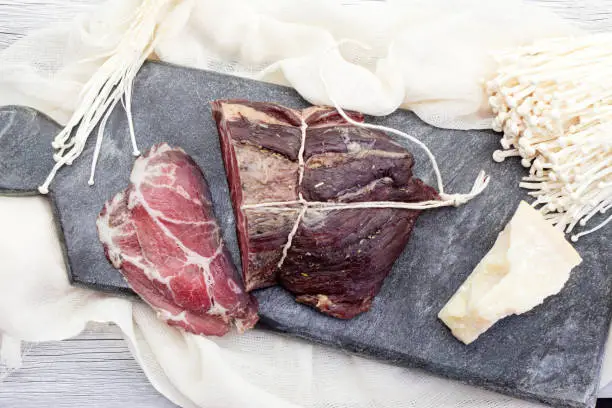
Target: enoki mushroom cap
553	101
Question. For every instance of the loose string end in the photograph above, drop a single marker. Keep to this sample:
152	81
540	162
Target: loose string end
482	181
480	184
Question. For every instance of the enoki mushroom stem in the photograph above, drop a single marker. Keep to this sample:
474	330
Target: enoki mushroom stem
553	101
111	83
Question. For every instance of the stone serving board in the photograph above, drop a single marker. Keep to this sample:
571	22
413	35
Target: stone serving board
551	354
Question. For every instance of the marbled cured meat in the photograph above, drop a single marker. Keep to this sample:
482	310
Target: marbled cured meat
162	234
338	259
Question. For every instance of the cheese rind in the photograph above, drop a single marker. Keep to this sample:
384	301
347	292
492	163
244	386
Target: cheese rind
529	261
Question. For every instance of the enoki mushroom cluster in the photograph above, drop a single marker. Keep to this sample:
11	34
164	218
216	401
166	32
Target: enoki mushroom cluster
553	102
111	83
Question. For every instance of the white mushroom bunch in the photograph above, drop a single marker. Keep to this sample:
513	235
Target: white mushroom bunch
110	84
553	101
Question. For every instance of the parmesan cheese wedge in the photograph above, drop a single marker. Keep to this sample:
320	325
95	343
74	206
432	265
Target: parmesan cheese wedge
529	261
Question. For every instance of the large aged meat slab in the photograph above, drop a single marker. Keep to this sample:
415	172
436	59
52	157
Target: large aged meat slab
162	233
338	259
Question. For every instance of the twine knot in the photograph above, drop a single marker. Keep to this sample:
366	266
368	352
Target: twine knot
455	200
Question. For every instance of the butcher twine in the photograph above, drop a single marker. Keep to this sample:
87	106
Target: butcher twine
445	200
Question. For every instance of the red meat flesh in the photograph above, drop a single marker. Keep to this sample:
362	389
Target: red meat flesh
162	234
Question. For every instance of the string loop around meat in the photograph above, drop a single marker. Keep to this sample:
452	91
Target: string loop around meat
445	200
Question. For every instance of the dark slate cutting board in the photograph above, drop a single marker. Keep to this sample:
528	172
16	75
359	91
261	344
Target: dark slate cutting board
551	354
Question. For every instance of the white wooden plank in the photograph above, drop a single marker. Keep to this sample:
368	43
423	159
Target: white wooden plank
17	17
95	369
593	15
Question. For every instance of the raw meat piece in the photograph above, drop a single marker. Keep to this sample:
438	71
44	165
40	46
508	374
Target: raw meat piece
338	259
162	234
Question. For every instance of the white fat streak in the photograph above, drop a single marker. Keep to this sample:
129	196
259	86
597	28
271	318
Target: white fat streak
174	221
142	169
217	310
150	271
106	235
359	153
142	172
169	317
353	147
233	286
235	111
192	256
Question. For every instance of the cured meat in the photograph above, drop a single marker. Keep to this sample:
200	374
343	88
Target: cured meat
162	234
338	259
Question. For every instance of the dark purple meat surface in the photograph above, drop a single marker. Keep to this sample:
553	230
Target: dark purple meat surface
338	259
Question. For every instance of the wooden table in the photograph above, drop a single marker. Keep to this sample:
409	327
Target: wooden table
96	369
